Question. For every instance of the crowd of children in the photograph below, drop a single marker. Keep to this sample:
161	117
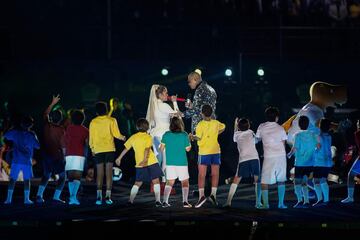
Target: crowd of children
65	151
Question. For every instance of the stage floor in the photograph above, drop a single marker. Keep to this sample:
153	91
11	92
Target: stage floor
145	210
56	221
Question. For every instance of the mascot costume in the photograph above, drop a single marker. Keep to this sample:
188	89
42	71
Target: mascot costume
322	95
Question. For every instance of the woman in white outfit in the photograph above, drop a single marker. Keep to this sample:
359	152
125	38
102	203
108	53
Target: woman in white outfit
158	116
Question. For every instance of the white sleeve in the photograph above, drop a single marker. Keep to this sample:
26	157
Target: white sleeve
258	133
165	108
235	136
176	107
284	136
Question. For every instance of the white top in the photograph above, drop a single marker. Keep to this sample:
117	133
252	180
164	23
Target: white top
314	113
272	136
246	145
162	118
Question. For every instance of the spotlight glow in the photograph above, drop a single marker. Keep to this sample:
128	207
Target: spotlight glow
164	72
228	72
260	72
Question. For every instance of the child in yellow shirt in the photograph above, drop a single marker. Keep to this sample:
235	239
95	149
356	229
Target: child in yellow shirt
102	131
207	132
147	166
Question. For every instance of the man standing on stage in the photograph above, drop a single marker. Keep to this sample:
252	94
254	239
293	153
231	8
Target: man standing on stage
204	94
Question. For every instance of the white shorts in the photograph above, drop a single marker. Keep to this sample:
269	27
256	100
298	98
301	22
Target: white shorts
74	163
174	172
273	170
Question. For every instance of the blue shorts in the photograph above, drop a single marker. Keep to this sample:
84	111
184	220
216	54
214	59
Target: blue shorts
248	168
300	172
321	172
24	168
149	173
355	167
211	159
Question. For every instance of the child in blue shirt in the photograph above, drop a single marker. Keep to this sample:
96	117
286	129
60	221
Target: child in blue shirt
323	163
24	141
304	148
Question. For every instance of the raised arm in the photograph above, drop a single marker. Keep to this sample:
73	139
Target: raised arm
54	101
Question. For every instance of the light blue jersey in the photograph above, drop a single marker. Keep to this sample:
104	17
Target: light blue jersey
323	155
305	145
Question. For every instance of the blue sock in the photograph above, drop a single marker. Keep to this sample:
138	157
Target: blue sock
258	193
325	190
281	194
298	192
41	190
76	187
318	192
305	191
71	187
265	197
9	196
57	194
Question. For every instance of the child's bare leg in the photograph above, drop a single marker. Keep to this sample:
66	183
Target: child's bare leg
109	179
214	179
99	179
201	179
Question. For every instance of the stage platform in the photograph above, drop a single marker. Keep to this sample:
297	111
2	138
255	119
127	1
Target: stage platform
242	217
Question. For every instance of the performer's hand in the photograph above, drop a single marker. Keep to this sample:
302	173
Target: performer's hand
123	138
55	99
188	104
173	98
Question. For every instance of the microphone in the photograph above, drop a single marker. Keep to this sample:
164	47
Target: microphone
177	99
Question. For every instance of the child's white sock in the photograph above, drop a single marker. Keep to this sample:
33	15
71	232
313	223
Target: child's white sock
185	193
108	194
133	192
167	192
99	194
213	191
157	192
231	194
